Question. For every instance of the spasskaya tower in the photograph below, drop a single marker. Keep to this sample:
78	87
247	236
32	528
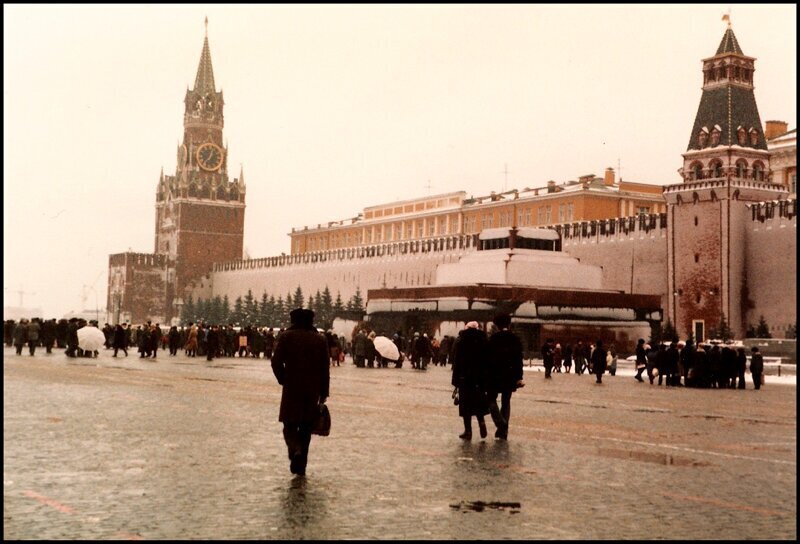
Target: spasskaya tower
199	210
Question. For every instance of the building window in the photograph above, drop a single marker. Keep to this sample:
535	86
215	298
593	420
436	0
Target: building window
643	210
702	138
420	229
695	220
431	227
570	210
753	136
793	184
741	136
715	136
547	217
562	213
697	257
698	171
540	216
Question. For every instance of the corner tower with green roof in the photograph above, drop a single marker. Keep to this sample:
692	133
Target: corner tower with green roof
726	165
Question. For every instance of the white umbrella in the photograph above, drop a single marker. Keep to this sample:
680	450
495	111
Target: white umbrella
386	348
91	338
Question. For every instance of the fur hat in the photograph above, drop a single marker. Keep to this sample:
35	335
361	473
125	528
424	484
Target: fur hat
302	317
472	325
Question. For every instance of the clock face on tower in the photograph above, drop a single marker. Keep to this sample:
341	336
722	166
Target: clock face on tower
209	157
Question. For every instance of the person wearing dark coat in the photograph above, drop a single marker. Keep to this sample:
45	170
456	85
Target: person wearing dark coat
174	340
729	368
741	366
671	371
470	374
756	366
269	343
701	375
568	358
49	334
8	332
579	358
20	335
300	364
62	331
662	362
641	360
72	338
422	352
547	357
212	342
687	360
33	334
505	373
155	339
120	341
599	361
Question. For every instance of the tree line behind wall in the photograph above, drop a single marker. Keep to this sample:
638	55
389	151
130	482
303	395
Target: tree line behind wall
269	311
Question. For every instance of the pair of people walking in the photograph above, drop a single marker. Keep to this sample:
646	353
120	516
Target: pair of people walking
483	369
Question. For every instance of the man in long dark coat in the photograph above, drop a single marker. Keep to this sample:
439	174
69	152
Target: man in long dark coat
300	364
599	361
120	342
505	373
547	357
470	375
49	334
212	343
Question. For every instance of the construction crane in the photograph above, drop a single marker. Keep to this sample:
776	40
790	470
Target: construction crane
21	293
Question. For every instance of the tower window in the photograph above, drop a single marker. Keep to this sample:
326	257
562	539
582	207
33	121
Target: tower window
741	136
715	136
695	221
696	256
702	138
753	136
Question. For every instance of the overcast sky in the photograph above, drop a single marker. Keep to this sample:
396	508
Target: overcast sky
334	108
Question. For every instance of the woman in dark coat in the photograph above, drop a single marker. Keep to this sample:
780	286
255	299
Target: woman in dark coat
470	375
300	364
599	361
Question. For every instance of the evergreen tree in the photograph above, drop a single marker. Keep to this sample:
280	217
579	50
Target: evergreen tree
226	310
338	306
791	332
237	316
356	303
655	333
280	312
668	334
750	332
327	307
249	309
262	310
725	333
288	305
188	311
762	331
316	306
201	311
299	300
271	312
215	310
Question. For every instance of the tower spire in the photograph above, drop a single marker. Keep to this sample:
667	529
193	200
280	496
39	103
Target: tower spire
204	82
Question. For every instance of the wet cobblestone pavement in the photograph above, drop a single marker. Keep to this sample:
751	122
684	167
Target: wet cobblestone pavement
129	448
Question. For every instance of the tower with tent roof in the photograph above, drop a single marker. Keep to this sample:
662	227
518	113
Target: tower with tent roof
726	166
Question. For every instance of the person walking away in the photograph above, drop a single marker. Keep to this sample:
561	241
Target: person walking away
72	338
300	364
741	366
155	338
505	373
423	351
212	343
8	332
547	357
580	358
120	342
599	361
672	359
641	359
191	341
49	334
756	366
369	354
557	358
33	335
269	343
702	373
686	360
360	348
470	374
21	335
567	358
174	340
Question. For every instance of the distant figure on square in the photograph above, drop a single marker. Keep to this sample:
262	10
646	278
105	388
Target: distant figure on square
756	366
599	361
505	373
300	364
470	373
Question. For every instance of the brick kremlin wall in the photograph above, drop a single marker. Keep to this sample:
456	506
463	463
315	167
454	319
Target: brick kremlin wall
771	249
